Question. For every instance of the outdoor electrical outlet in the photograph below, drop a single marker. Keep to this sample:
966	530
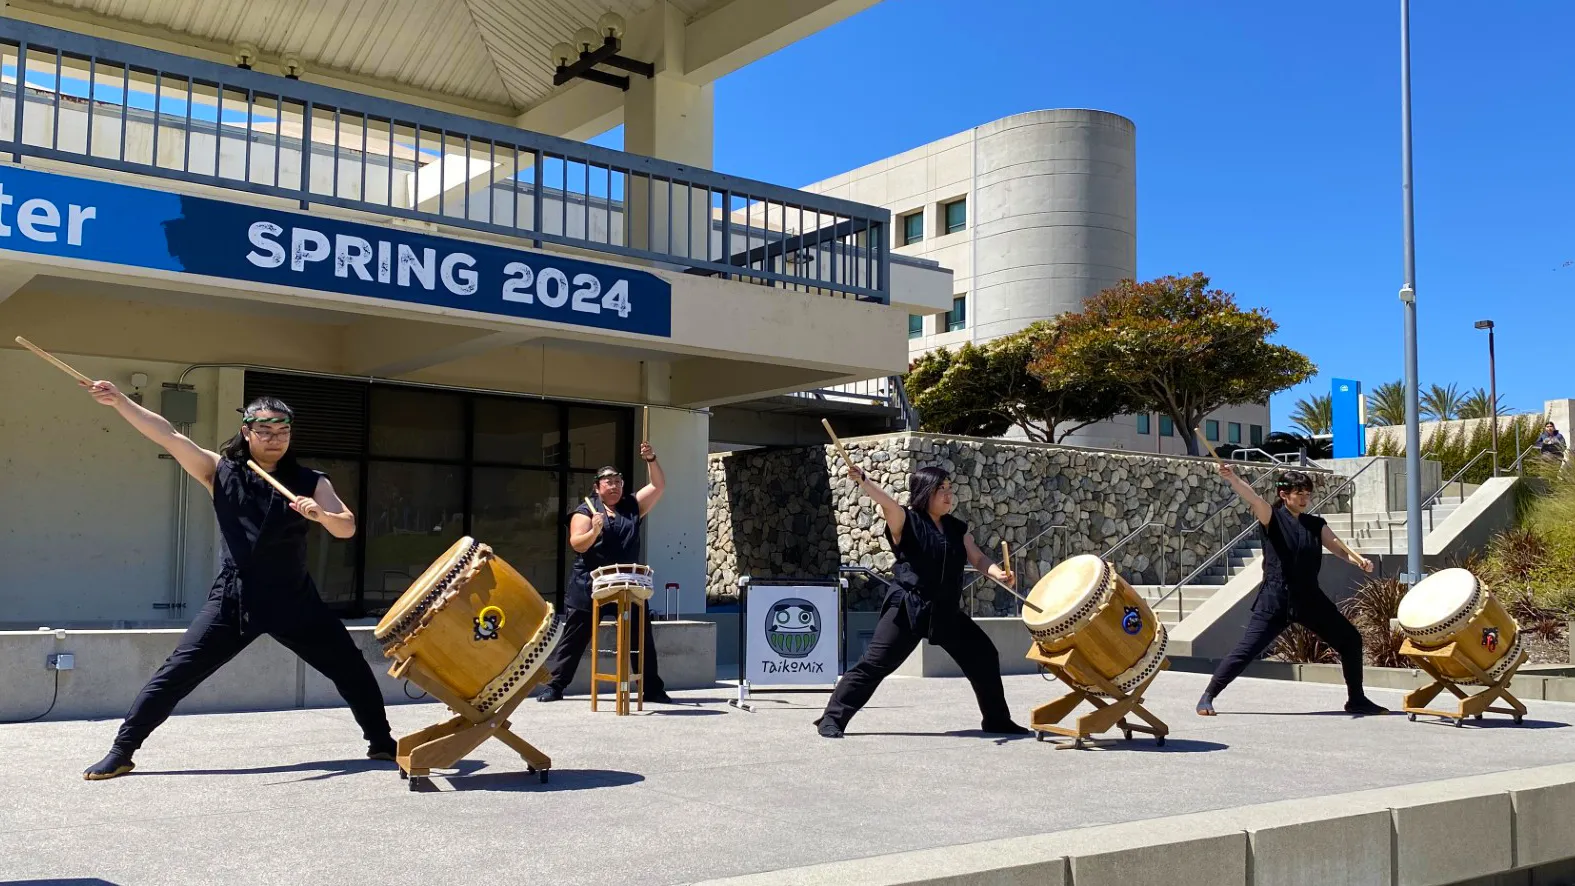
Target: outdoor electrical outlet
61	661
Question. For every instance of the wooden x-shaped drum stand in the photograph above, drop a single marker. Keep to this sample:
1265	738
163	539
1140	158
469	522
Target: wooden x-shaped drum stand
1106	714
629	615
1471	704
442	745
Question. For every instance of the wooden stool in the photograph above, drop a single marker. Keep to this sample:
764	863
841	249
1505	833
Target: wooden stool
442	745
1106	714
1471	704
629	615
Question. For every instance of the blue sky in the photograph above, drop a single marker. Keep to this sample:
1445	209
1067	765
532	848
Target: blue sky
1268	153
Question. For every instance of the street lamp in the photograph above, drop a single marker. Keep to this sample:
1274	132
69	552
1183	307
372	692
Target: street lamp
1492	390
1413	428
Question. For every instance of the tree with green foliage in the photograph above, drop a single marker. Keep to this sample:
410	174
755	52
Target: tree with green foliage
1315	416
1386	405
1178	347
984	390
1475	405
1440	403
1453	446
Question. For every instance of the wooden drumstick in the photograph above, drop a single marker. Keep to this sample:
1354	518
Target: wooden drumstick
1006	556
51	358
838	443
275	483
1205	441
645	424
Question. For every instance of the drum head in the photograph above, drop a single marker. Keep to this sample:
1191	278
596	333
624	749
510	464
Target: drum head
418	589
1437	599
1065	589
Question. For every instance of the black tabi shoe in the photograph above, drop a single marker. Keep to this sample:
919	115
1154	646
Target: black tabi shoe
659	698
1007	728
550	693
385	749
1206	706
109	767
1364	707
829	729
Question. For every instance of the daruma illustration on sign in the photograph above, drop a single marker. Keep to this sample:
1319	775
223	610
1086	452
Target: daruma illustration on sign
793	627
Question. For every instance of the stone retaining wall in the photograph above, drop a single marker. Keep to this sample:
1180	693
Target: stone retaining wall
793	512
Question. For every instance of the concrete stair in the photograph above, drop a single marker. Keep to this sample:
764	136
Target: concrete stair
1387	533
1189	597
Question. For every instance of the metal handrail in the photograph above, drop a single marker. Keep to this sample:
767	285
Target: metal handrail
233	128
1164	550
1339	487
1024	547
1271	456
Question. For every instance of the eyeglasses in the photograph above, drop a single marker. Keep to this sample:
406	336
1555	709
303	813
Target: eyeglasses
270	435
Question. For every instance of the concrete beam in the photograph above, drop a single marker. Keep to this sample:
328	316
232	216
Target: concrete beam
579	111
14	275
393	348
747	30
701	382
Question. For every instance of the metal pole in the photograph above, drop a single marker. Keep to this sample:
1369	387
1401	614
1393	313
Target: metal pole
1413	431
1493	398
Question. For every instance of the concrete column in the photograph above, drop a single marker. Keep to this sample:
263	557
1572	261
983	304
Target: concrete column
675	532
670	119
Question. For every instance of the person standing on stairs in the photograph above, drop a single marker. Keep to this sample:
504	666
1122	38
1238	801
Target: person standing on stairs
1293	543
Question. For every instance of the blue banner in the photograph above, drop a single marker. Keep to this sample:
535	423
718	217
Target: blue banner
1350	435
47	214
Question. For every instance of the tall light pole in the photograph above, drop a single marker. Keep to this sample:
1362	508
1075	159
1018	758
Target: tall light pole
1492	390
1413	430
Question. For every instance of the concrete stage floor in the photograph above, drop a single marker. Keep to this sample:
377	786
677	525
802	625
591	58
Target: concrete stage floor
689	792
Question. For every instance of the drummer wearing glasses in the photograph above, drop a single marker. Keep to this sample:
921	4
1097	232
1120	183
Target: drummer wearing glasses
931	547
1293	542
610	534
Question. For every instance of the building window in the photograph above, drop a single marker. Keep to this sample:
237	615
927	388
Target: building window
1235	432
1142	424
913	228
957	317
1167	428
956	215
915	325
1212	429
1257	435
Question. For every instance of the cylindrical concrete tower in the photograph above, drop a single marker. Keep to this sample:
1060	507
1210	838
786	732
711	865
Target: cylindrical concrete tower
1055	215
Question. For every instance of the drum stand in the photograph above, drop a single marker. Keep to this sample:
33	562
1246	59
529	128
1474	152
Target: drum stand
1106	714
629	615
1471	705
442	745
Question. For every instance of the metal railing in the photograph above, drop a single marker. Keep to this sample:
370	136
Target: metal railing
1026	578
105	104
1164	548
1299	457
888	392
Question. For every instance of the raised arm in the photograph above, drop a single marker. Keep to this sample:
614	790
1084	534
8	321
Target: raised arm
652	491
1333	543
1260	508
325	507
198	462
893	512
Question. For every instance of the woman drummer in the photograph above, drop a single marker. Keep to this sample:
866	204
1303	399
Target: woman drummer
1293	542
931	547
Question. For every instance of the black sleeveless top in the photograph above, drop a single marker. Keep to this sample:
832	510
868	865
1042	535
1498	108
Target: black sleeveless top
929	567
618	543
264	542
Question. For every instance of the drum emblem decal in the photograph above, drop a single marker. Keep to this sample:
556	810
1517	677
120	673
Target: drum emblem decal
793	627
1132	622
1490	639
488	623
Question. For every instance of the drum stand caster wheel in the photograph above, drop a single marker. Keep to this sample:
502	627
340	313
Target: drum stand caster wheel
1077	744
1159	742
420	783
1039	736
1459	722
1126	734
541	774
1518	719
1411	717
403	775
1478	716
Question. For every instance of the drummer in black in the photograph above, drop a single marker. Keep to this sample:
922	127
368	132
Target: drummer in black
263	585
608	536
931	547
1293	543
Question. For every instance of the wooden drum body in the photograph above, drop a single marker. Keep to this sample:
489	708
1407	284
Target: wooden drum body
607	581
1085	604
476	625
1451	606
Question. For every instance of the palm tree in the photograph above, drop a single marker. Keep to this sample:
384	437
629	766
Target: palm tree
1475	405
1315	416
1442	404
1386	406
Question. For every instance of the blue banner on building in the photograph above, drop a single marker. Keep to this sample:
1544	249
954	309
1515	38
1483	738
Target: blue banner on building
1350	434
47	214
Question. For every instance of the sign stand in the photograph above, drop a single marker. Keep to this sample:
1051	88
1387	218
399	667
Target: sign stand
782	591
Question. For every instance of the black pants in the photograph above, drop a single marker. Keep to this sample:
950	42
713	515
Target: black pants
1271	616
576	636
895	639
217	635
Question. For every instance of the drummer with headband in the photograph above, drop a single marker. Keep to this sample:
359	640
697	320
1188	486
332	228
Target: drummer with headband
263	585
931	547
609	535
1293	542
